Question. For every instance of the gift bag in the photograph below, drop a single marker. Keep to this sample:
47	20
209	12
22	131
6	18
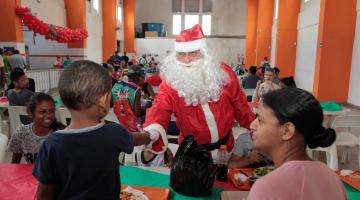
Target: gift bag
193	171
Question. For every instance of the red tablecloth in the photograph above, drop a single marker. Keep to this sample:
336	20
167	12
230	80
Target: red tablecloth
17	182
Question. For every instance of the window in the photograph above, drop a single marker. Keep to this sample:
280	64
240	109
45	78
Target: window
306	1
96	5
176	24
191	20
187	13
206	24
277	9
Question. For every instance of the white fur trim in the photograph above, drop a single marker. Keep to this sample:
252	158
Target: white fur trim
190	46
210	120
161	130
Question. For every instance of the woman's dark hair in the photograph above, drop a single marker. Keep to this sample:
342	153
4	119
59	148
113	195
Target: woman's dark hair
35	100
304	111
269	69
288	81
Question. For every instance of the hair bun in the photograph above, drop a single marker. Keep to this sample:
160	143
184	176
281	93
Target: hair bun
323	137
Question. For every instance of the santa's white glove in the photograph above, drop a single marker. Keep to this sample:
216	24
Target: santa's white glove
154	135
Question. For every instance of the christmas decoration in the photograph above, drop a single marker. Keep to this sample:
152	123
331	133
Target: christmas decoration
51	32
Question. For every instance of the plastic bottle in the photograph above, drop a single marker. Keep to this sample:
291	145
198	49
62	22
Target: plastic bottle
222	164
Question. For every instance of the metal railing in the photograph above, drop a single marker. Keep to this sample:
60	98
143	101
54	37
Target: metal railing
45	79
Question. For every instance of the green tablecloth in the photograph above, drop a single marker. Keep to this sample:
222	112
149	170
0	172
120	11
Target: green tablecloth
139	177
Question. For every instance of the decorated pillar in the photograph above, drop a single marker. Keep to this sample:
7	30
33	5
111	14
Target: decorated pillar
11	33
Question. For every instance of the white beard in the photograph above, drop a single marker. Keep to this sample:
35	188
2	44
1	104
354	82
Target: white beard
198	82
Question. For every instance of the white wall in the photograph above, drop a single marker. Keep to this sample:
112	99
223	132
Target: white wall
228	16
273	43
354	92
225	49
308	25
94	28
50	11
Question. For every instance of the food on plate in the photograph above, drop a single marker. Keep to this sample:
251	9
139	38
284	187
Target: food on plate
131	194
240	178
262	171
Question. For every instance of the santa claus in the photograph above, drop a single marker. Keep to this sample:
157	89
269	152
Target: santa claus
203	93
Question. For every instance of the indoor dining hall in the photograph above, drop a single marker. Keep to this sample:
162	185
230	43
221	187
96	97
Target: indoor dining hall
179	99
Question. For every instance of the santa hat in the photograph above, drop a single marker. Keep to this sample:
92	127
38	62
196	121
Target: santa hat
190	40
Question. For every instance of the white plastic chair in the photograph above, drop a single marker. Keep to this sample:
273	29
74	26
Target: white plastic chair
3	144
331	155
14	116
345	136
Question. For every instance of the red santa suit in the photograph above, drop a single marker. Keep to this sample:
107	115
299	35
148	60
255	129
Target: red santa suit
207	122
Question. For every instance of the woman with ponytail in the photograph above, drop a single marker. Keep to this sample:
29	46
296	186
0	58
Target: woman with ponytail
290	120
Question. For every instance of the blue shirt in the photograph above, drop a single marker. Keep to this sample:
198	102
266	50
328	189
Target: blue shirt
83	163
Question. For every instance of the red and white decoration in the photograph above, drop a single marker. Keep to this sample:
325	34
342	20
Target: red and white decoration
51	32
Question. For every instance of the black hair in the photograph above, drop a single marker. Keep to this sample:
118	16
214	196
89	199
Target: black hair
16	73
269	69
1	51
288	81
252	70
83	83
130	63
304	111
35	100
16	51
276	70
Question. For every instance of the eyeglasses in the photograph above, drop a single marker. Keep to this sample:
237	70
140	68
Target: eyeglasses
192	54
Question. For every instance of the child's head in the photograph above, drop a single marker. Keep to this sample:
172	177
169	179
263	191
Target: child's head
253	70
290	117
41	109
85	84
269	74
136	74
19	79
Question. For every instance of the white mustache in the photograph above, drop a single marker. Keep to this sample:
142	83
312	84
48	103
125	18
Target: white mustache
190	64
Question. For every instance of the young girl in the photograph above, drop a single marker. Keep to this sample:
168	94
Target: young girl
27	139
265	87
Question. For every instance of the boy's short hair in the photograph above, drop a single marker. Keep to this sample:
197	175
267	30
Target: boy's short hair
83	83
16	73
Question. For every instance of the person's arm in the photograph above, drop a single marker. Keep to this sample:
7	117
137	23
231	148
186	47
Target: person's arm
237	161
16	158
168	158
151	91
256	95
45	192
242	111
144	137
137	103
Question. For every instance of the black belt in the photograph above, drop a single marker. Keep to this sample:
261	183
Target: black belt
216	145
